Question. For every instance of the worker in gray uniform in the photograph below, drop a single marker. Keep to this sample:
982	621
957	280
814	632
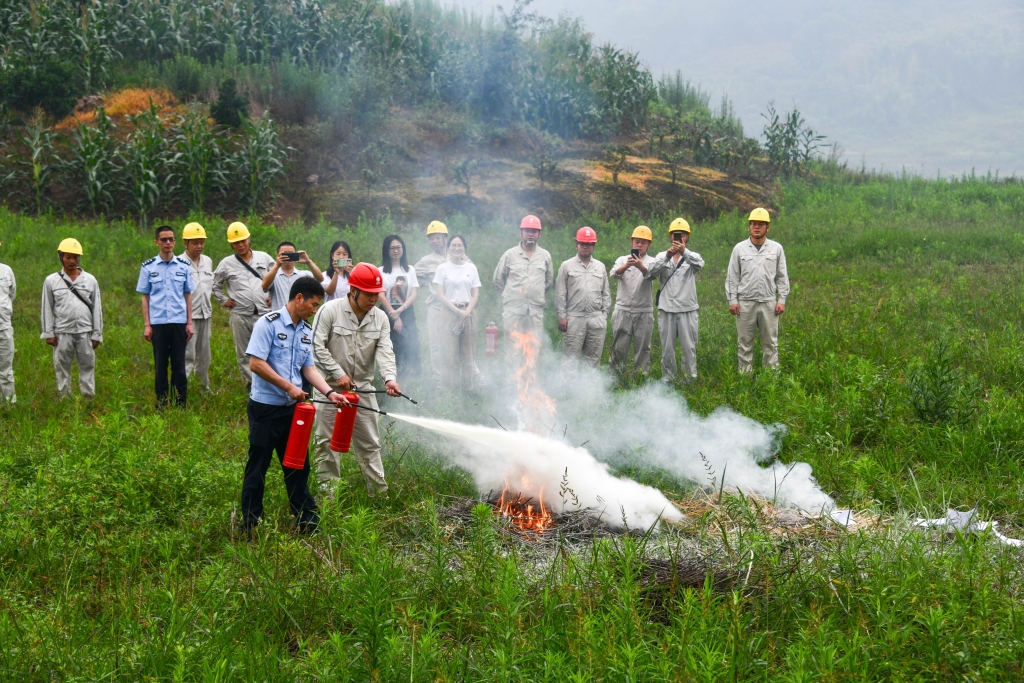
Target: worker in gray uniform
582	298
8	292
633	317
350	337
72	320
676	269
242	274
426	268
197	352
756	286
523	275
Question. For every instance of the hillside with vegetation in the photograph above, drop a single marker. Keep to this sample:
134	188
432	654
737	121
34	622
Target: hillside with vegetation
350	107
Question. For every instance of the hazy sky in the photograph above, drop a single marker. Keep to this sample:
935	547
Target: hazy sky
926	84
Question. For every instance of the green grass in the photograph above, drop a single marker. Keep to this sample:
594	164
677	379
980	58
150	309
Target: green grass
118	561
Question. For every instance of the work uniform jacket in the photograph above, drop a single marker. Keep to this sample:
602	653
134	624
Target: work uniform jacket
202	276
523	281
425	269
64	313
8	292
678	281
344	345
635	293
582	290
757	274
243	287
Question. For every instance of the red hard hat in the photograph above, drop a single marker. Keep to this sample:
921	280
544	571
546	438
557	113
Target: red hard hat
531	222
586	235
366	278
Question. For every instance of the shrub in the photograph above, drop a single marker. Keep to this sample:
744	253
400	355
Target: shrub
230	109
185	76
939	390
53	85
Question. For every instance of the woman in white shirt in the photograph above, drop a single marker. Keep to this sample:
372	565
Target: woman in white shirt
335	280
400	286
457	286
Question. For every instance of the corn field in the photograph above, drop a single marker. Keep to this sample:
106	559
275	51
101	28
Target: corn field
148	164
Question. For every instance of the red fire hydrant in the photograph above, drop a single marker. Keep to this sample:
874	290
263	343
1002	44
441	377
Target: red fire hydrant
491	335
344	424
298	437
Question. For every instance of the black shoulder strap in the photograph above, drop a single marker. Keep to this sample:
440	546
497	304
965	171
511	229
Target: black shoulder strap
657	297
75	291
249	268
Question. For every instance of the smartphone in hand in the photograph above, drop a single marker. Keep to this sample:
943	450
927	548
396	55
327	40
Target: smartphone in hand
292	256
342	262
636	253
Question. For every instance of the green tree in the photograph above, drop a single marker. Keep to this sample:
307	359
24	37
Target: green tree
229	109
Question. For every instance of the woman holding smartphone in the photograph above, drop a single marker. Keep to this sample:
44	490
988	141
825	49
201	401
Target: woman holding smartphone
400	286
335	280
457	286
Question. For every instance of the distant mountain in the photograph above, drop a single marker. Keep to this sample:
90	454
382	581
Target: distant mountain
930	85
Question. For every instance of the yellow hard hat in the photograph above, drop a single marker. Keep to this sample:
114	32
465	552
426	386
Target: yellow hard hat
679	225
643	232
193	231
237	232
437	227
760	214
70	246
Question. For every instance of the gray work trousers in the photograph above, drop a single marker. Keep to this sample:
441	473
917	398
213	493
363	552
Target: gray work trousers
521	323
69	348
434	333
197	351
754	316
365	445
583	338
458	352
241	329
637	328
681	327
7	394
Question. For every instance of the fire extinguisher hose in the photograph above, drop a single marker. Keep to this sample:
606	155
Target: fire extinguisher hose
356	405
382	391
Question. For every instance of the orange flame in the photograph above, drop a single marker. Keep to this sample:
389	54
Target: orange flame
521	511
535	407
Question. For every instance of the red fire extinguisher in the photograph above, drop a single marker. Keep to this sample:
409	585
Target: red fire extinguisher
491	334
298	437
344	423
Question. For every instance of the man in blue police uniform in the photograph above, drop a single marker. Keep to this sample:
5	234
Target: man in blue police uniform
280	355
166	284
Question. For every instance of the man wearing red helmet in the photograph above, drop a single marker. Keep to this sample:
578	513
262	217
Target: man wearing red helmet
524	275
582	299
350	337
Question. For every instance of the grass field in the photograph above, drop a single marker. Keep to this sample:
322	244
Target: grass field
118	560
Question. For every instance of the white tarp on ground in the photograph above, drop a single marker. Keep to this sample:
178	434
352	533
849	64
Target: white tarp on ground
967	522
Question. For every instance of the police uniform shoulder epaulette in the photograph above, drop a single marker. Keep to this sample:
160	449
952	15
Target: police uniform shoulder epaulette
273	316
181	260
146	263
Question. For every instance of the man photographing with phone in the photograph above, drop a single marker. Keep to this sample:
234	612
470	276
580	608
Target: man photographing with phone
677	269
633	318
283	274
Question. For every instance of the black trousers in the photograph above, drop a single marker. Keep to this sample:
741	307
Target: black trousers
169	342
269	427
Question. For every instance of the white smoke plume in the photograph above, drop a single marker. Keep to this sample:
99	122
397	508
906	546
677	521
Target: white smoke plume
653	426
535	466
